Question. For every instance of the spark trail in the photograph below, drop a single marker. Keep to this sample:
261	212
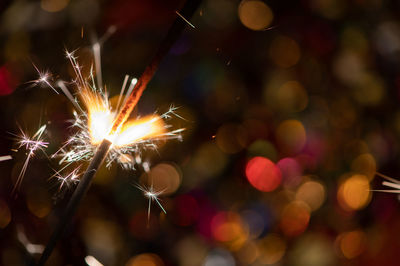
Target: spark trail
31	145
390	182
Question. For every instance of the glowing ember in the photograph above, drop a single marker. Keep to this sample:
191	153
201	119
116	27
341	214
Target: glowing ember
135	130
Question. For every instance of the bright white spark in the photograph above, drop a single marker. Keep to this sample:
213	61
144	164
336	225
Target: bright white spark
5	158
68	179
44	77
152	195
31	144
391	183
187	21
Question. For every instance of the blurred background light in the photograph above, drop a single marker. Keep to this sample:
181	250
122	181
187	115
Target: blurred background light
291	171
263	174
295	218
163	177
219	257
291	136
53	5
262	148
312	193
255	14
271	249
290	108
354	192
146	259
352	243
284	51
229	229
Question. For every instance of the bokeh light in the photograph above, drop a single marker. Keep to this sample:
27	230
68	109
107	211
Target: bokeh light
313	193
312	249
228	228
291	114
289	97
291	136
255	14
219	257
352	243
263	174
295	218
146	259
271	249
262	148
248	253
284	51
364	164
354	192
256	222
53	5
291	171
163	177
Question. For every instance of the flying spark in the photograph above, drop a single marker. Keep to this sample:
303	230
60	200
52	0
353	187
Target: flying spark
68	179
44	78
390	182
187	21
5	158
152	195
31	145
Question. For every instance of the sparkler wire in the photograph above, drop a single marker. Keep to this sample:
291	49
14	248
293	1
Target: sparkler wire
172	36
76	198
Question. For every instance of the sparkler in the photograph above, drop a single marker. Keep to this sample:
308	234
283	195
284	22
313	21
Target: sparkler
114	134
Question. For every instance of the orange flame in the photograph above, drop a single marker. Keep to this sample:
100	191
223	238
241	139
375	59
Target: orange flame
101	118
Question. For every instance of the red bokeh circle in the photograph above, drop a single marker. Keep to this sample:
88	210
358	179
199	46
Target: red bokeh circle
263	174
